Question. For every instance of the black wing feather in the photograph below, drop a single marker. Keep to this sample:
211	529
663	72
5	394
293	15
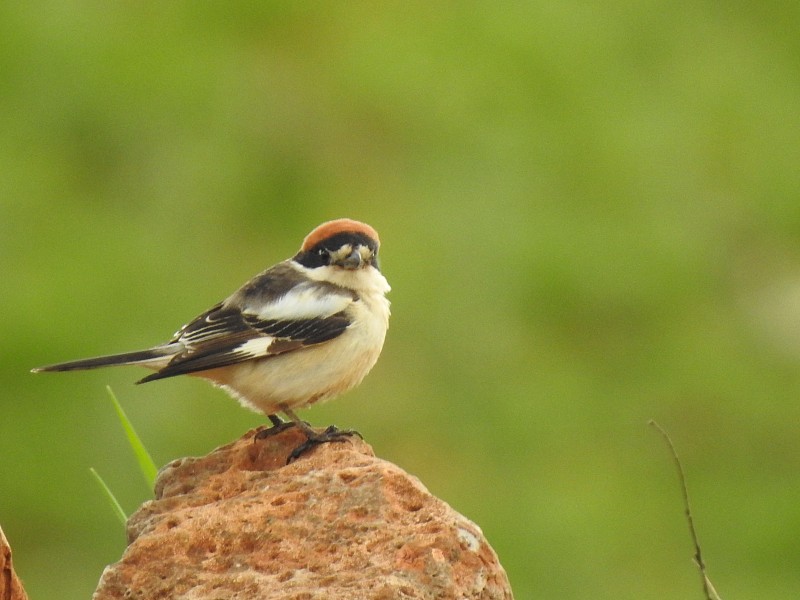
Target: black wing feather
309	331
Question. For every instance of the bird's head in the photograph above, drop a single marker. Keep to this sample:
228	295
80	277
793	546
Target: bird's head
344	252
341	244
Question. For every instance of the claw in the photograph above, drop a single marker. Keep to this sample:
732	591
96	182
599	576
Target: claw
331	434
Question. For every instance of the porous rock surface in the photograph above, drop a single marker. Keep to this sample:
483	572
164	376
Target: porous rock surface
10	586
338	523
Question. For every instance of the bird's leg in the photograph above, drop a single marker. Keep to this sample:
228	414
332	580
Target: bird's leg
331	434
278	425
276	420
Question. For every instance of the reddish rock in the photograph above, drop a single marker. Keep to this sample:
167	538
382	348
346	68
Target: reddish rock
10	586
338	523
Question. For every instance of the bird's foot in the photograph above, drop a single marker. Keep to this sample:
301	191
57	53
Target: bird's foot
278	425
331	434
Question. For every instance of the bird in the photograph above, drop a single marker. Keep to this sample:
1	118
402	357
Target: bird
301	332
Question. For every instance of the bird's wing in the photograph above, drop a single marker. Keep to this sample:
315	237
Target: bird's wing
246	327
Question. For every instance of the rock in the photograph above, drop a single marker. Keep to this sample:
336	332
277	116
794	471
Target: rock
10	585
338	523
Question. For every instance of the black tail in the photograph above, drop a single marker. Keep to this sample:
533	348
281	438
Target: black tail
127	358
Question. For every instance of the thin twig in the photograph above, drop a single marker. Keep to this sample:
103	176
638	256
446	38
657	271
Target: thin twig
708	588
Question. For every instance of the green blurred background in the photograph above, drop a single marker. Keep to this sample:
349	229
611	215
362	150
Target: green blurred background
590	218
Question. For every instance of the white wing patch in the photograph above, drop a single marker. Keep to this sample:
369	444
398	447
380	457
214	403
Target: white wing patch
305	301
256	347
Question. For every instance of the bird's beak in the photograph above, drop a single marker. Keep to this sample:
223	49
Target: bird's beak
353	260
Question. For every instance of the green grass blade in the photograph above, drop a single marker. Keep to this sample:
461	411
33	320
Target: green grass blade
115	506
146	464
